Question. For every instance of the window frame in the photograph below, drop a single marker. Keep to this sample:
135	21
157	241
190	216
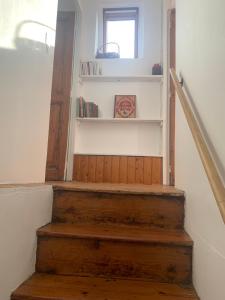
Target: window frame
126	14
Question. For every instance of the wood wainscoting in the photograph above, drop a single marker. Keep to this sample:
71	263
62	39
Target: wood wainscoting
118	169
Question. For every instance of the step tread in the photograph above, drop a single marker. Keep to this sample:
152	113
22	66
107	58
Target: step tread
55	287
116	232
160	190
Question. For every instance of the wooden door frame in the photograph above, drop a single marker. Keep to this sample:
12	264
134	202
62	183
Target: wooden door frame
172	93
53	171
74	95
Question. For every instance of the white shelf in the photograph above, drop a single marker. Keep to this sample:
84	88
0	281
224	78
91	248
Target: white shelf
120	120
118	154
137	78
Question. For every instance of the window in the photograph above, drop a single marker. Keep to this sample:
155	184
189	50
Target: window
121	28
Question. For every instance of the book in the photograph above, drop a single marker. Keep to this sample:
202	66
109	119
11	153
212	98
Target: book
90	68
125	106
86	109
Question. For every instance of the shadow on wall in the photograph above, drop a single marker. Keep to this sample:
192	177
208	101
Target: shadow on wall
208	140
34	35
25	80
30	53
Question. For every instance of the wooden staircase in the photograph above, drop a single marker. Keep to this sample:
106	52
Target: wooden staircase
113	242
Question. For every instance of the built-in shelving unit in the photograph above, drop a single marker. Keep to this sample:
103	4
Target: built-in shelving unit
106	78
106	135
120	120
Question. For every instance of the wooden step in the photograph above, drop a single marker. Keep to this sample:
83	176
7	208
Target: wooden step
153	206
160	190
51	287
115	251
116	233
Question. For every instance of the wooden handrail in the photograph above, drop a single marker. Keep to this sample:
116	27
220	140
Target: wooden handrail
206	157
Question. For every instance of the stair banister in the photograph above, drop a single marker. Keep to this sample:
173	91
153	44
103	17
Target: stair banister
203	149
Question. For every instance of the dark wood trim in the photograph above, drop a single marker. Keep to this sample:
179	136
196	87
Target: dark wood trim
60	98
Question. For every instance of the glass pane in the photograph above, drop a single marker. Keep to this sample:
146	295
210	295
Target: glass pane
122	33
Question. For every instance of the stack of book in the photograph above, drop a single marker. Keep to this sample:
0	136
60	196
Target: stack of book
90	68
87	109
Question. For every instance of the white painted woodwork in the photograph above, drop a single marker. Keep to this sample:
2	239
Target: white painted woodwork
115	138
124	78
140	136
119	120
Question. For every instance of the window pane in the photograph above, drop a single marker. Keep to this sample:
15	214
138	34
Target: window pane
122	33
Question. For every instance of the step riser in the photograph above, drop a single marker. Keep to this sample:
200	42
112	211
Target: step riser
71	256
96	207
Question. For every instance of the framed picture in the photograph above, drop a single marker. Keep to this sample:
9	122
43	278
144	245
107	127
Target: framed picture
125	106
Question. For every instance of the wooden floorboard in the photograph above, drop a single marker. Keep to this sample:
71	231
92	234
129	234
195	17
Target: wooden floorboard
118	188
52	287
117	232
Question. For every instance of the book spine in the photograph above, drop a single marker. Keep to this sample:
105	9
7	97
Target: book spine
86	110
81	108
92	110
95	111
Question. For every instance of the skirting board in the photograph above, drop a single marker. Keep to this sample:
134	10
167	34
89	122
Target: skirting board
118	169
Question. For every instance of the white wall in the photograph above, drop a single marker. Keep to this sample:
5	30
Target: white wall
201	60
150	35
22	211
172	3
66	5
129	139
26	59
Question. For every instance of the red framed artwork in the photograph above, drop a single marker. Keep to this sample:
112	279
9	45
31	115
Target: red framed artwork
125	106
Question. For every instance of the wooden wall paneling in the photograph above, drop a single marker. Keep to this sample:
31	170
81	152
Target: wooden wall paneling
76	168
92	161
84	170
139	176
99	168
131	170
115	169
118	169
123	169
147	170
156	170
107	169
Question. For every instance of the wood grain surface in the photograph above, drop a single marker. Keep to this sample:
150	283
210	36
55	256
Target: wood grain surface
159	257
60	98
118	169
130	189
132	209
49	287
126	241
